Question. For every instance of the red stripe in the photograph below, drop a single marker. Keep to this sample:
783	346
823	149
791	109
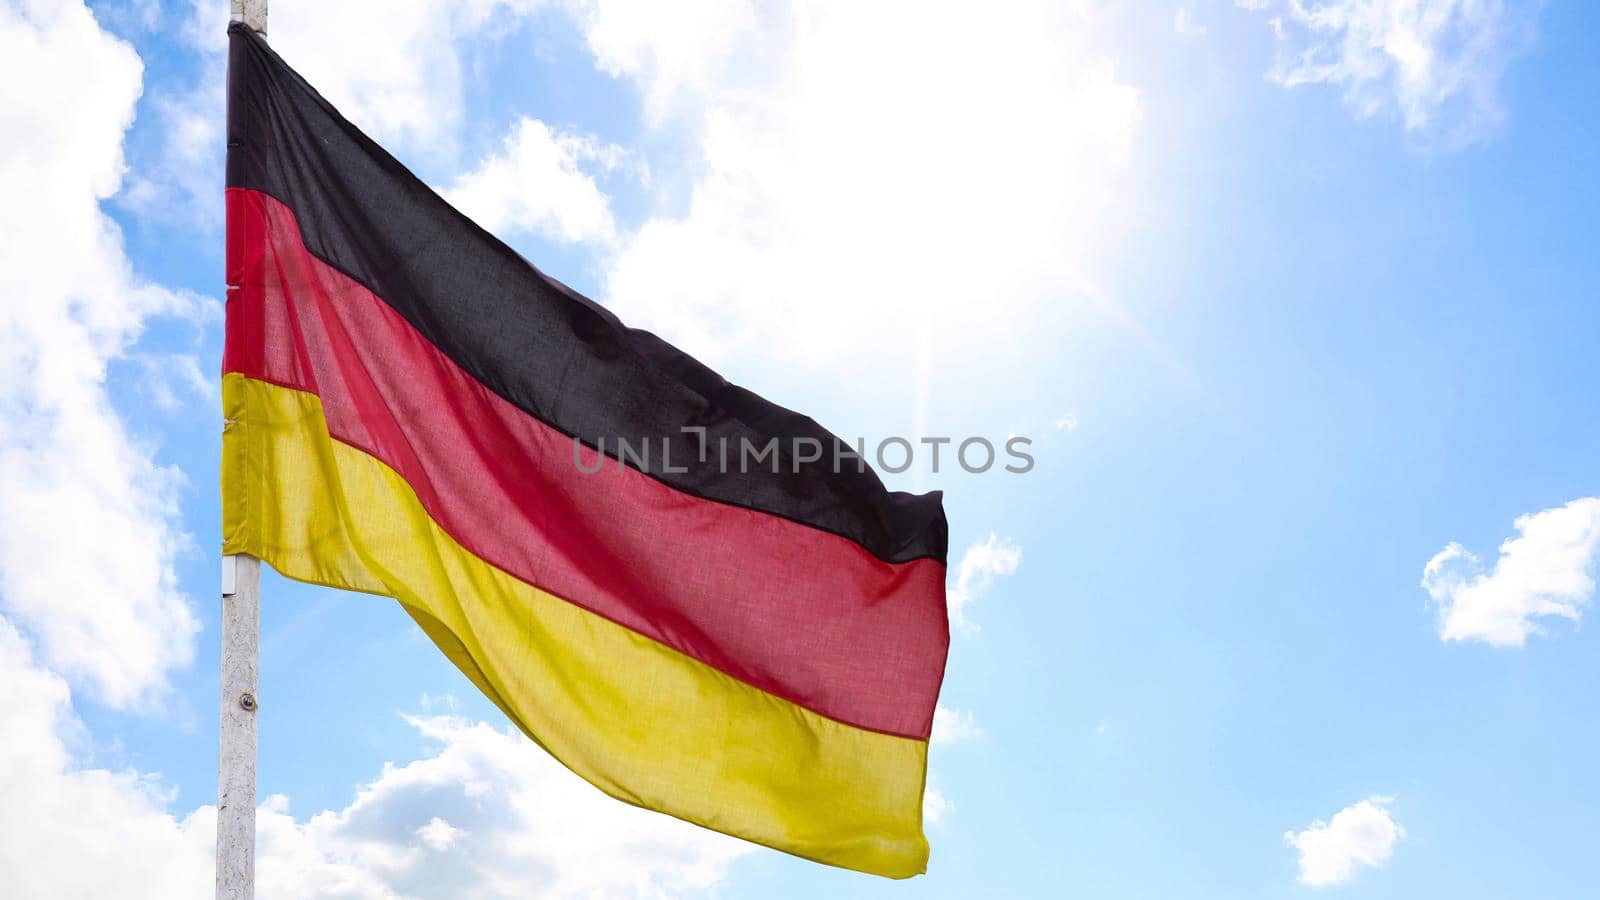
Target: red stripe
798	612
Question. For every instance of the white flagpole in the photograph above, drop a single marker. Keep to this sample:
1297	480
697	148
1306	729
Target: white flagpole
236	760
241	625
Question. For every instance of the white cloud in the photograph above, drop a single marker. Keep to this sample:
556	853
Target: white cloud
1436	63
1067	422
675	49
70	830
950	726
536	183
88	524
170	379
1546	571
487	815
184	183
438	834
953	726
833	182
1361	835
404	87
935	806
1184	24
985	560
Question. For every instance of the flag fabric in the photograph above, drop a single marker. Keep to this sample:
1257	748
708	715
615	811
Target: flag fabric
414	410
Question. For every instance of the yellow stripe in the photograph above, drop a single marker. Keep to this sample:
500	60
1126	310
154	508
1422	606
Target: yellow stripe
643	722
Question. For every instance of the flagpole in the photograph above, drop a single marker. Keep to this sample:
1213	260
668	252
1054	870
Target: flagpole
236	759
239	670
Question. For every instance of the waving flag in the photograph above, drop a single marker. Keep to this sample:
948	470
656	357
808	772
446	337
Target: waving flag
414	410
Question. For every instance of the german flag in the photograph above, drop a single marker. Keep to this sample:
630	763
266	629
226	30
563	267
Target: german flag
414	410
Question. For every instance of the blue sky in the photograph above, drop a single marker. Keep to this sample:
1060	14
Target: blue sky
1298	306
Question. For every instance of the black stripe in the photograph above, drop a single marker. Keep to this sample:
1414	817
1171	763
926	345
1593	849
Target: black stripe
544	347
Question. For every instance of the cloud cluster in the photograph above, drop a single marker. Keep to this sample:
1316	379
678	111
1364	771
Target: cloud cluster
1437	64
536	183
1184	25
1359	836
487	815
984	561
88	527
71	830
404	87
954	726
883	164
1546	571
88	521
677	52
